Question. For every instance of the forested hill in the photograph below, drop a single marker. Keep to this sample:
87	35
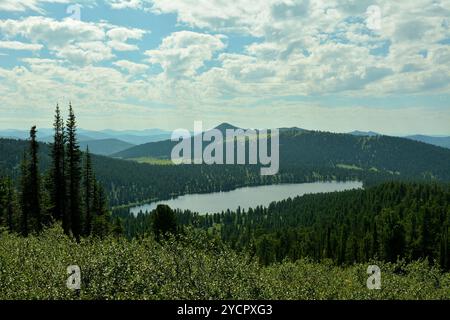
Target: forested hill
323	149
129	182
304	156
389	221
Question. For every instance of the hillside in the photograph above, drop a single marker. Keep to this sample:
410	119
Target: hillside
388	221
437	141
133	137
304	156
105	146
312	148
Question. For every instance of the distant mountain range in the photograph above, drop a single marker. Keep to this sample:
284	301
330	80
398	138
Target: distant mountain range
125	142
299	147
437	141
105	142
304	156
105	146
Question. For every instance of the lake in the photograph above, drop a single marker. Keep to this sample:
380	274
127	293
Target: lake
247	197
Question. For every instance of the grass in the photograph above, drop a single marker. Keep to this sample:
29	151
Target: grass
348	166
151	160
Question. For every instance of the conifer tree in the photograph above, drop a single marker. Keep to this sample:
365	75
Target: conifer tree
34	183
73	175
58	182
164	221
88	188
100	222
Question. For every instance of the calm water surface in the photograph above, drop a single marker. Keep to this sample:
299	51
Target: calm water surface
247	197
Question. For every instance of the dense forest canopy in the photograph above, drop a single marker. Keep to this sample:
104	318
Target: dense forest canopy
388	222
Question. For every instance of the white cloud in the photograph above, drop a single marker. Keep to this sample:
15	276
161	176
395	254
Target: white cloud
119	37
17	45
123	34
124	4
299	47
85	52
52	32
77	41
182	53
23	5
131	67
122	46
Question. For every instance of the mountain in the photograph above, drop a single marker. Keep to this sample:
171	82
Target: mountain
141	133
324	149
161	149
223	127
105	146
136	137
364	133
133	137
437	141
304	156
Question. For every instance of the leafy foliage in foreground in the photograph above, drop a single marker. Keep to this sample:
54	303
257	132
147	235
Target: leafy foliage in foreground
194	266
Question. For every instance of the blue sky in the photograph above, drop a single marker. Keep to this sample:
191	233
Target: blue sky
136	64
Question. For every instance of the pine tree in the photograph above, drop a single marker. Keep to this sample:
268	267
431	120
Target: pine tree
164	221
34	183
100	220
58	182
88	188
73	175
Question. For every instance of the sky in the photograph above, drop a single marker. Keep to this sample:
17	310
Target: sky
330	65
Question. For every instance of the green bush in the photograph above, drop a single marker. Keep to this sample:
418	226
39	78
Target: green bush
193	266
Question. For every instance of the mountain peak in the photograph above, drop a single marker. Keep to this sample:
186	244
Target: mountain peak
364	133
225	125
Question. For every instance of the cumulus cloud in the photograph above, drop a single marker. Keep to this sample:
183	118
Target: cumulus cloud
85	52
52	32
119	37
182	53
23	5
124	4
77	41
17	45
283	48
131	67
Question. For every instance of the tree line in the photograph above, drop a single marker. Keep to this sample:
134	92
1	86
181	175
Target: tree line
68	192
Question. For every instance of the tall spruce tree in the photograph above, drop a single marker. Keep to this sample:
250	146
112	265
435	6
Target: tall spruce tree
34	183
164	221
88	190
73	175
58	181
30	200
100	219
